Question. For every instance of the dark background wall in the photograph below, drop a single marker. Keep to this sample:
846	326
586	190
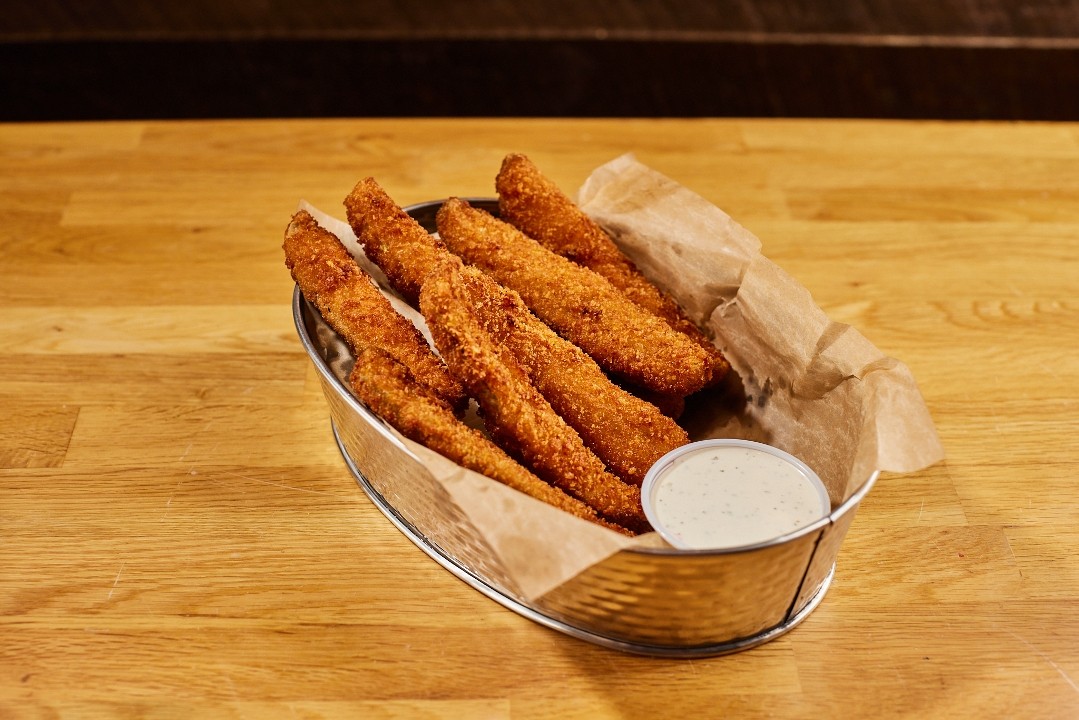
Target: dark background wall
968	59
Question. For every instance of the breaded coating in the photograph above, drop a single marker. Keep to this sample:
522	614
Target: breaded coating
578	304
349	301
670	405
516	414
392	238
628	434
532	203
388	388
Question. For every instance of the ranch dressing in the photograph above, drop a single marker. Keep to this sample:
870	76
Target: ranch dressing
730	493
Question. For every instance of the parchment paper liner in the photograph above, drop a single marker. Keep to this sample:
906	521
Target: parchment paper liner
815	388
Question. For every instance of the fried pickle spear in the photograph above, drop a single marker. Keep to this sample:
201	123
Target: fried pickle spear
578	304
348	300
627	433
531	202
389	389
392	238
669	404
516	414
534	204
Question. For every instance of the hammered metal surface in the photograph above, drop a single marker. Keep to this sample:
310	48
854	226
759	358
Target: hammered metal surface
685	599
405	484
648	597
827	551
642	599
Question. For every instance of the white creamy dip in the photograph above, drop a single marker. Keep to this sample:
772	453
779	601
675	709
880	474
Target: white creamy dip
722	494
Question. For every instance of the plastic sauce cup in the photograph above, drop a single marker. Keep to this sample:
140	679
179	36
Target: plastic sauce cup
724	494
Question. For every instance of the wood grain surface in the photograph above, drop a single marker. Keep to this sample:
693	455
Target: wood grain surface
180	538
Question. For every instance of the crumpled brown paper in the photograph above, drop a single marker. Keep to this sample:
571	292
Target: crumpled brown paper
812	387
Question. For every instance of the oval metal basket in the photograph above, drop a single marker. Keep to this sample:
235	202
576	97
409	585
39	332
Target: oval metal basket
654	601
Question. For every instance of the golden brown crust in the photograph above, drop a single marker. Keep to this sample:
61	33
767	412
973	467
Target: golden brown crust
391	238
670	405
517	415
388	388
627	433
535	205
577	303
348	300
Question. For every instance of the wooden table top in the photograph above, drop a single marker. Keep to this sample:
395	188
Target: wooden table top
180	537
